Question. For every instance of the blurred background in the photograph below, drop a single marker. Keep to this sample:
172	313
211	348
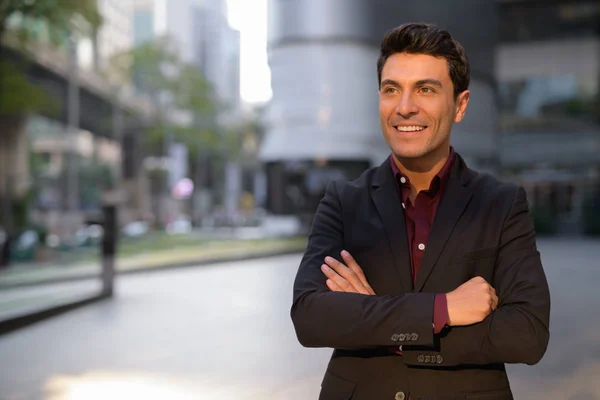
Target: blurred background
139	137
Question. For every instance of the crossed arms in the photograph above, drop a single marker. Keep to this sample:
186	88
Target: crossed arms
334	305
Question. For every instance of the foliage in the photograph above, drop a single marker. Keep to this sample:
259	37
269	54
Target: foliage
591	214
59	14
177	89
17	94
544	221
94	178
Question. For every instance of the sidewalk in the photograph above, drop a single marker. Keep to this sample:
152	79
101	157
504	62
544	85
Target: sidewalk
149	259
27	289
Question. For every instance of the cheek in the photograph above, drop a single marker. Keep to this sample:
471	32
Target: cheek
386	107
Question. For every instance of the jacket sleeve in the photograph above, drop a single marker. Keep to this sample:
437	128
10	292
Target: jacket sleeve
518	330
323	318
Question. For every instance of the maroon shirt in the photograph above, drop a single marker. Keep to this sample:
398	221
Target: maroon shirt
419	220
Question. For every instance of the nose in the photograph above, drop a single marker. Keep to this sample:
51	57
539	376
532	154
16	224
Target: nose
407	106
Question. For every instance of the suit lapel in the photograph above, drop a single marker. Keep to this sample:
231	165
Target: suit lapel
388	203
455	199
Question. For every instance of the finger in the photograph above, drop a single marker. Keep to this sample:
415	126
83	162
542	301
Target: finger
494	296
333	286
342	283
346	273
337	266
493	302
353	265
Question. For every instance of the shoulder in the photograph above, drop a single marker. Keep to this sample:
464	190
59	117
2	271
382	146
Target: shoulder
496	189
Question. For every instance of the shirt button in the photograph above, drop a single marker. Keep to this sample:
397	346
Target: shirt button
421	246
403	179
400	348
403	205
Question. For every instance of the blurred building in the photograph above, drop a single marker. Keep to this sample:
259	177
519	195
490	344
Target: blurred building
534	112
116	33
204	38
217	53
323	120
200	31
548	75
143	21
84	130
173	18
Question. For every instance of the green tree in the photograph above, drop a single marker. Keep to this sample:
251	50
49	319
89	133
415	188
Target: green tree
20	22
183	99
58	17
175	88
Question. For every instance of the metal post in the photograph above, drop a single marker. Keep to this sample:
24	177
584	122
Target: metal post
109	248
73	127
118	134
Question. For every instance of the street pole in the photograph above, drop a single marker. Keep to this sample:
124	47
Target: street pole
168	139
118	134
73	127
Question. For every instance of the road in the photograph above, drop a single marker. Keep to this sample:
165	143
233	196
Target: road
223	332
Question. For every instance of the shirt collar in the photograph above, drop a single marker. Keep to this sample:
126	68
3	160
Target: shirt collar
437	183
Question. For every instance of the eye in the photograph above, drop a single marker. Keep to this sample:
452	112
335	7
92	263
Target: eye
390	89
427	90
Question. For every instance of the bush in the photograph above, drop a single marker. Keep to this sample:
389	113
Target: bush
544	221
591	215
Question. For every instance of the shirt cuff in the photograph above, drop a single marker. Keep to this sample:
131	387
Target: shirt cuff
440	313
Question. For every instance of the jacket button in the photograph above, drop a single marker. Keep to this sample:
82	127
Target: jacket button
402	337
400	396
439	359
421	358
414	336
395	337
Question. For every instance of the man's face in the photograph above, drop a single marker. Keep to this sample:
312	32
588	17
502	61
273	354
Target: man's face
417	106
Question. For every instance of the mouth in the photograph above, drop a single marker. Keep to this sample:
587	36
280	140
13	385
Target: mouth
409	128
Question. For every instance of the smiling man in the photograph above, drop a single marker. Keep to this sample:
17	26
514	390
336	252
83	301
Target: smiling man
422	274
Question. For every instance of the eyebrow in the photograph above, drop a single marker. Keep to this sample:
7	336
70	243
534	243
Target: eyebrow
421	82
433	82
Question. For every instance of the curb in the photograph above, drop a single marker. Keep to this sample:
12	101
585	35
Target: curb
168	266
15	323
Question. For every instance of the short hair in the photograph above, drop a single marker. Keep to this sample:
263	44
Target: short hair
422	38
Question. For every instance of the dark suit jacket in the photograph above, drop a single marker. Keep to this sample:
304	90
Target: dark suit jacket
482	228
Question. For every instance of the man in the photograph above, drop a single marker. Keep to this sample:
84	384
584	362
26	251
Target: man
422	274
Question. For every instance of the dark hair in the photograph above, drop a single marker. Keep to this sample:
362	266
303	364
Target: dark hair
420	38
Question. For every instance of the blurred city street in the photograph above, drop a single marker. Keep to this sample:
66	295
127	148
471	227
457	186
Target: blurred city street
178	150
224	332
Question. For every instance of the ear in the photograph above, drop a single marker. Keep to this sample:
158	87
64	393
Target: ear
461	105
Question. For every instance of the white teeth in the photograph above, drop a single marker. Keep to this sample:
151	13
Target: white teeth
414	128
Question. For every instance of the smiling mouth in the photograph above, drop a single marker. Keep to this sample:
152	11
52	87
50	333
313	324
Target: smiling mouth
410	128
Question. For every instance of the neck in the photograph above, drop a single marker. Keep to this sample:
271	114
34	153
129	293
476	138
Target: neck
420	171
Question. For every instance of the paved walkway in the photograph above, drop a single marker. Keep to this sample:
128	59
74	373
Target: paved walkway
223	332
148	258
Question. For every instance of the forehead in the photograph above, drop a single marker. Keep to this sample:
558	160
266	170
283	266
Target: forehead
414	67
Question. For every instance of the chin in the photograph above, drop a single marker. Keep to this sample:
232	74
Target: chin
409	152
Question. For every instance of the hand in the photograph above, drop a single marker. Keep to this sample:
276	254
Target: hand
348	278
471	302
